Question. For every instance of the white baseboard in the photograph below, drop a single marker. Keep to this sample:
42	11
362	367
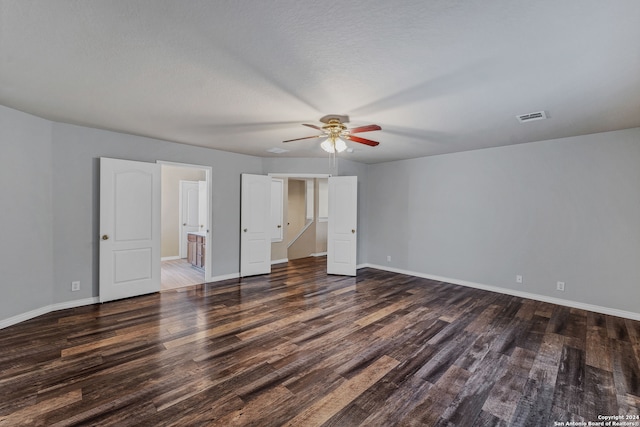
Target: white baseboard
279	261
559	301
47	309
169	258
320	254
568	303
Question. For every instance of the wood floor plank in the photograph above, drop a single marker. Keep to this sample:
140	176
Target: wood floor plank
252	412
330	404
536	404
626	370
33	415
598	343
226	328
438	398
570	381
600	394
507	390
300	347
467	405
617	328
399	403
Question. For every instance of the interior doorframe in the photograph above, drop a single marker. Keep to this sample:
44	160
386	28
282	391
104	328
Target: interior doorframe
299	176
208	260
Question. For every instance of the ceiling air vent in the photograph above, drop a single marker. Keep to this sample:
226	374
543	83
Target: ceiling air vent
530	117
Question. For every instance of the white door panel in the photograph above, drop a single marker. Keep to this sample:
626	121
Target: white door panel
189	212
129	228
132	265
277	198
133	208
255	233
342	227
203	206
193	200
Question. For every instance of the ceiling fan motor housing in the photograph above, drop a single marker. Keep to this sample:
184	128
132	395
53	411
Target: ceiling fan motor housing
335	128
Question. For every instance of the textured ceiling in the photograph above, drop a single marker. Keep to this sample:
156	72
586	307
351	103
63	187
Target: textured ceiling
438	76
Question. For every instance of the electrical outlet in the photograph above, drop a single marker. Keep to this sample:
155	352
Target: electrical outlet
560	286
75	286
388	258
518	279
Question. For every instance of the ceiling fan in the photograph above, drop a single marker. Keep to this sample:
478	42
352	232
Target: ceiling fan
336	132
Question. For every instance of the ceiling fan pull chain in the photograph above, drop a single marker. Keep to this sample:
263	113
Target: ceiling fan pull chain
332	162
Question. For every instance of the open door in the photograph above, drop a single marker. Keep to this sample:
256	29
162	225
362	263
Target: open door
189	212
129	228
255	230
342	227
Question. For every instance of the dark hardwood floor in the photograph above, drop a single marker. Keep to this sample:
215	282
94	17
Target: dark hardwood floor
301	348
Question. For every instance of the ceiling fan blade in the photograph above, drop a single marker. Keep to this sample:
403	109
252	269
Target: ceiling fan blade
306	137
367	128
362	140
312	126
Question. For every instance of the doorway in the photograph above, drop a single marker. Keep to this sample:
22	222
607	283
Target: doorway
302	201
185	224
341	211
306	228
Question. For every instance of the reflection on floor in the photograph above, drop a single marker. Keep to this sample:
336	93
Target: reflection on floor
179	273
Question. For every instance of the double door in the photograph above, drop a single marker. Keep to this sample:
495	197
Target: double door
255	225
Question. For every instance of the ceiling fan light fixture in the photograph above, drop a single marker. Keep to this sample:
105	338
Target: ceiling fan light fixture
327	146
333	145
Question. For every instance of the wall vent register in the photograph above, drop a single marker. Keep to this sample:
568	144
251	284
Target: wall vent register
530	117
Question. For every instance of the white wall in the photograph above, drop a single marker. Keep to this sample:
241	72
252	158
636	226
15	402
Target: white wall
560	210
296	209
26	245
296	165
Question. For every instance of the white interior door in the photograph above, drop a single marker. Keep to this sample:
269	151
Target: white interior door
203	206
342	228
277	205
129	228
189	212
255	230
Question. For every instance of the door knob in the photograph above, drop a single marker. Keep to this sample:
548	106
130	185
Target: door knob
279	226
245	230
105	237
353	231
184	224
